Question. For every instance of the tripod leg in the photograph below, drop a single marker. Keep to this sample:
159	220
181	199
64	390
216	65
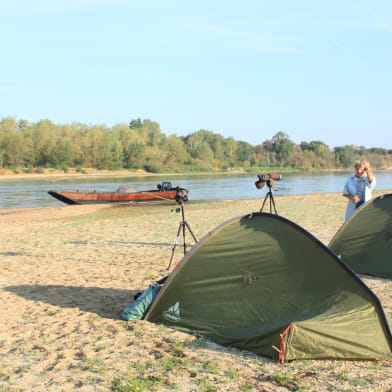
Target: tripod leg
183	225
183	236
175	244
273	202
265	199
186	226
190	230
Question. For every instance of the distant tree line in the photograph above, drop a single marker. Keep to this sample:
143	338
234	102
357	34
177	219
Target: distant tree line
142	145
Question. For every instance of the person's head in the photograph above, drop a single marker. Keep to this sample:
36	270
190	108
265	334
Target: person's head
361	168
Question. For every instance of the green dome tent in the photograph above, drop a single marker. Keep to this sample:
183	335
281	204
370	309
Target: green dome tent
262	283
364	242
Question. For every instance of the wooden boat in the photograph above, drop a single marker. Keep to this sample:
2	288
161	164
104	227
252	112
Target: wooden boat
164	192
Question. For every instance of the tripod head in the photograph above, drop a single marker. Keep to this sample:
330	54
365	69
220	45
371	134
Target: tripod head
268	179
181	197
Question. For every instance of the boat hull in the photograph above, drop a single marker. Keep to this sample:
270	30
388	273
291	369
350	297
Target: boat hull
115	197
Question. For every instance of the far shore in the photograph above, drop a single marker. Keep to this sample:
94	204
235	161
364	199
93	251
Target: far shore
89	173
51	173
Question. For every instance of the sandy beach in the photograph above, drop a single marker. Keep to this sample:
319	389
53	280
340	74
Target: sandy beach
67	272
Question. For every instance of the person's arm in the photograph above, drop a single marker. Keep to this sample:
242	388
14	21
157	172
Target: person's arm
354	198
346	191
370	175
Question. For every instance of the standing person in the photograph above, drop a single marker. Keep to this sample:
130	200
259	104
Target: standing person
358	187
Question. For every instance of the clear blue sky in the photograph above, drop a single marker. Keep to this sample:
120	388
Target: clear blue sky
314	69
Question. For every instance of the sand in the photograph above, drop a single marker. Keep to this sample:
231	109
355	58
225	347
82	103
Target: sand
67	272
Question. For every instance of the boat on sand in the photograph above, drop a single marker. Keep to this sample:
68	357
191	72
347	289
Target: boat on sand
164	192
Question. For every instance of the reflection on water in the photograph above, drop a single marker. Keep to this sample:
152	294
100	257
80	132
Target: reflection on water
33	193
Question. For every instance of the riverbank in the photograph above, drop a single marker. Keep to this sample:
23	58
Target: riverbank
67	272
7	174
50	173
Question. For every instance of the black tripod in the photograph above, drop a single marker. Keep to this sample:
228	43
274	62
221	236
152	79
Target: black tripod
182	227
269	196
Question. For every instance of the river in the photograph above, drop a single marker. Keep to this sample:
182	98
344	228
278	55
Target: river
32	192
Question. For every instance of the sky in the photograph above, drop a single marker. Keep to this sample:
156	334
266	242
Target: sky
317	70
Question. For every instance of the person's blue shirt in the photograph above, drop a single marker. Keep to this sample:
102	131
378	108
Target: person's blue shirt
361	187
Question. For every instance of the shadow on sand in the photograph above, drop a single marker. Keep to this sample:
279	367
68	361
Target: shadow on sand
107	303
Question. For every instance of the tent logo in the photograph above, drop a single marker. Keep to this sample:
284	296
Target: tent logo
173	313
248	279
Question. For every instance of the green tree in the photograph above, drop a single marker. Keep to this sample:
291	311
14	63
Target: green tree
345	156
211	148
229	149
96	153
378	151
283	148
203	152
141	144
43	136
154	135
11	144
318	154
134	155
268	146
135	124
176	151
116	154
245	154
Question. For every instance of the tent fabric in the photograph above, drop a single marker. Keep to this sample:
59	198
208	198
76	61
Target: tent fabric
261	283
364	242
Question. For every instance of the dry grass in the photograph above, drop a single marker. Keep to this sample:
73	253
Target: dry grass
67	272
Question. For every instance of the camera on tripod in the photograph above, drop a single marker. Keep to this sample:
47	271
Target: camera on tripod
267	178
181	196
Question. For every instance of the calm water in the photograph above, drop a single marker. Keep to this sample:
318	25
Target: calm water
33	193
